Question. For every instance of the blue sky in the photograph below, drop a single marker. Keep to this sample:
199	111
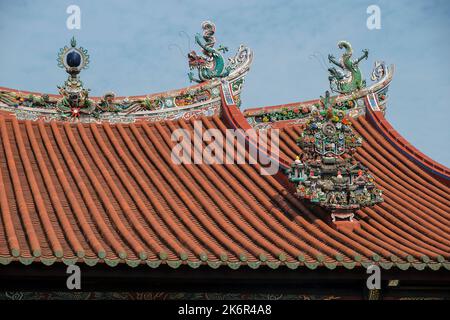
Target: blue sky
134	50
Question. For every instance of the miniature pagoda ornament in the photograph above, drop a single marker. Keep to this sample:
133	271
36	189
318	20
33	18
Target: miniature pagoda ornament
75	99
326	173
349	78
212	64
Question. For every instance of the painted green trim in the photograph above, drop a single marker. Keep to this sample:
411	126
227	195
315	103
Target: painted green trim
174	263
312	265
262	257
143	255
349	265
434	266
273	264
254	264
282	256
5	260
80	254
203	256
48	261
162	255
403	266
243	257
26	261
292	265
153	263
419	266
91	261
184	256
376	257
234	265
301	257
339	257
194	264
394	258
69	261
112	262
102	254
123	255
320	257
15	252
410	258
357	257
223	257
386	265
58	253
37	253
214	264
440	259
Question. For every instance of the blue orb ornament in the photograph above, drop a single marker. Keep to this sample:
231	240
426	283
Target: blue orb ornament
73	59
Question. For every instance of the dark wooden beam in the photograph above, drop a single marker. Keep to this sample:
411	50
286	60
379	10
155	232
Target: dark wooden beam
38	277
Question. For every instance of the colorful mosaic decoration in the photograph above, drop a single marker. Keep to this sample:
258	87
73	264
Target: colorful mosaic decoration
328	101
283	114
326	173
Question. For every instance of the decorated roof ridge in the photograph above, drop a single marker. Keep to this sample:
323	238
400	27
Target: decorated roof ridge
139	96
74	103
203	100
374	112
382	82
273	108
353	104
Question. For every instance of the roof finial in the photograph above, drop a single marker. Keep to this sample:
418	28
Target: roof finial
73	59
75	101
212	64
349	77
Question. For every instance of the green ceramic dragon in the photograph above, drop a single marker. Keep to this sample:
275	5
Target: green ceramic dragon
348	79
212	65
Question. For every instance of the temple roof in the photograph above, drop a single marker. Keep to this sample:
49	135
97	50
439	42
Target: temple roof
97	183
110	193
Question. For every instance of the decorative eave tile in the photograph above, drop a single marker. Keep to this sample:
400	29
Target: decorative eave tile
194	264
153	263
174	263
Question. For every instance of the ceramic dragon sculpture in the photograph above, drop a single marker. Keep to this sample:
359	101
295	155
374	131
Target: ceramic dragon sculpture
212	64
349	78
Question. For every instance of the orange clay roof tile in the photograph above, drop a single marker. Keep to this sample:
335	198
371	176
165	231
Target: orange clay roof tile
74	192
